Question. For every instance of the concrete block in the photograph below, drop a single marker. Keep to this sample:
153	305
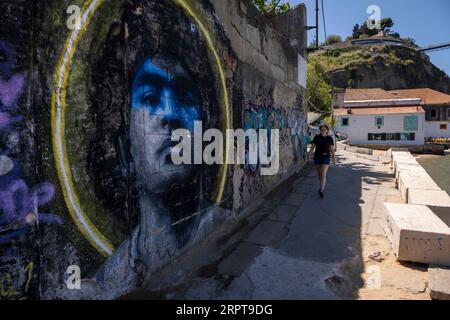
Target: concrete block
439	283
407	158
404	161
413	167
432	198
397	162
437	201
417	234
396	156
407	181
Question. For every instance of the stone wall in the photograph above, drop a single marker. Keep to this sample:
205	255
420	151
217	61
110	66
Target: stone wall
87	112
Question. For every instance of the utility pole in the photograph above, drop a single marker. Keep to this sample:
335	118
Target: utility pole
316	27
317	24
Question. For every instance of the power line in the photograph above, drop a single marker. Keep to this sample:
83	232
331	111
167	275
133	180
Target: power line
324	23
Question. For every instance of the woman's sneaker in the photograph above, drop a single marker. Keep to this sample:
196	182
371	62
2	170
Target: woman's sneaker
321	194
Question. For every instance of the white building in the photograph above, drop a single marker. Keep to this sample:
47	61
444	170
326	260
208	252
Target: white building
437	108
376	116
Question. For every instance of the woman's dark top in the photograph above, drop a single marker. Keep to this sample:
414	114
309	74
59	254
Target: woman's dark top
323	145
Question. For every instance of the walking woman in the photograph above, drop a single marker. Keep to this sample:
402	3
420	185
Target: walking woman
323	149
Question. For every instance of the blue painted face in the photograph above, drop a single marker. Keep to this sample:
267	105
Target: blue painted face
164	89
163	99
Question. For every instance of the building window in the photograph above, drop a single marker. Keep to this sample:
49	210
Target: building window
345	122
448	114
444	127
407	136
379	121
411	123
433	114
377	137
391	137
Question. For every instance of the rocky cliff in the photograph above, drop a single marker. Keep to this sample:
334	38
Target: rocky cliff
381	66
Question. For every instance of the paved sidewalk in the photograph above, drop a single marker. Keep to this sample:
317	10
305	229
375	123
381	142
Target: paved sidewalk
298	246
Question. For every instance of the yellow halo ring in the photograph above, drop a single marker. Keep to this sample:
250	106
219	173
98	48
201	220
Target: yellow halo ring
82	221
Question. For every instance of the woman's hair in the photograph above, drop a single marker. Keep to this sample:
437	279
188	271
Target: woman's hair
324	126
162	29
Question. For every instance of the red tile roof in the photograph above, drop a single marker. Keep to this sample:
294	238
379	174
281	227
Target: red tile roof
380	111
428	96
370	94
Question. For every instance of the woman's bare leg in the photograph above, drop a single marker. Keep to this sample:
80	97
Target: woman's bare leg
319	172
323	177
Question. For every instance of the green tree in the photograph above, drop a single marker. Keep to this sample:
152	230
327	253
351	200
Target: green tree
318	90
271	8
332	39
386	25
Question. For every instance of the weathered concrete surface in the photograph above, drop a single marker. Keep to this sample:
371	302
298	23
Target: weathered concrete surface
439	282
397	155
412	167
429	198
403	161
401	155
407	181
331	251
417	234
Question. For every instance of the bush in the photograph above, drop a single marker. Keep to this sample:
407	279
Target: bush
271	8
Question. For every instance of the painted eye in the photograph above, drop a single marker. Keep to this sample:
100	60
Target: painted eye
151	99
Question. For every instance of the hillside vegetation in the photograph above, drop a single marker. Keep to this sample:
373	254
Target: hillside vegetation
390	67
377	66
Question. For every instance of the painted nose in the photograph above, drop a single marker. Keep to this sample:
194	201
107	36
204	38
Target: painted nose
171	119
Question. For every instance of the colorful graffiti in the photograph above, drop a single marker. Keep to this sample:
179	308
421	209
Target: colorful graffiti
293	145
18	202
108	144
290	121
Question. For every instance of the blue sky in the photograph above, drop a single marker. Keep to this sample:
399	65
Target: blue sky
428	22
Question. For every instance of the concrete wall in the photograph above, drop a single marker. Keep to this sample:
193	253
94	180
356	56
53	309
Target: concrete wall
361	125
86	124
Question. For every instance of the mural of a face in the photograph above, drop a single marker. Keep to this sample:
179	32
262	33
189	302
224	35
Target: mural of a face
141	93
163	99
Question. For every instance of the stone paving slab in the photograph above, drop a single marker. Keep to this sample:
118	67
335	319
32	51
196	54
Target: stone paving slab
275	276
283	213
294	199
310	180
267	233
303	188
236	263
